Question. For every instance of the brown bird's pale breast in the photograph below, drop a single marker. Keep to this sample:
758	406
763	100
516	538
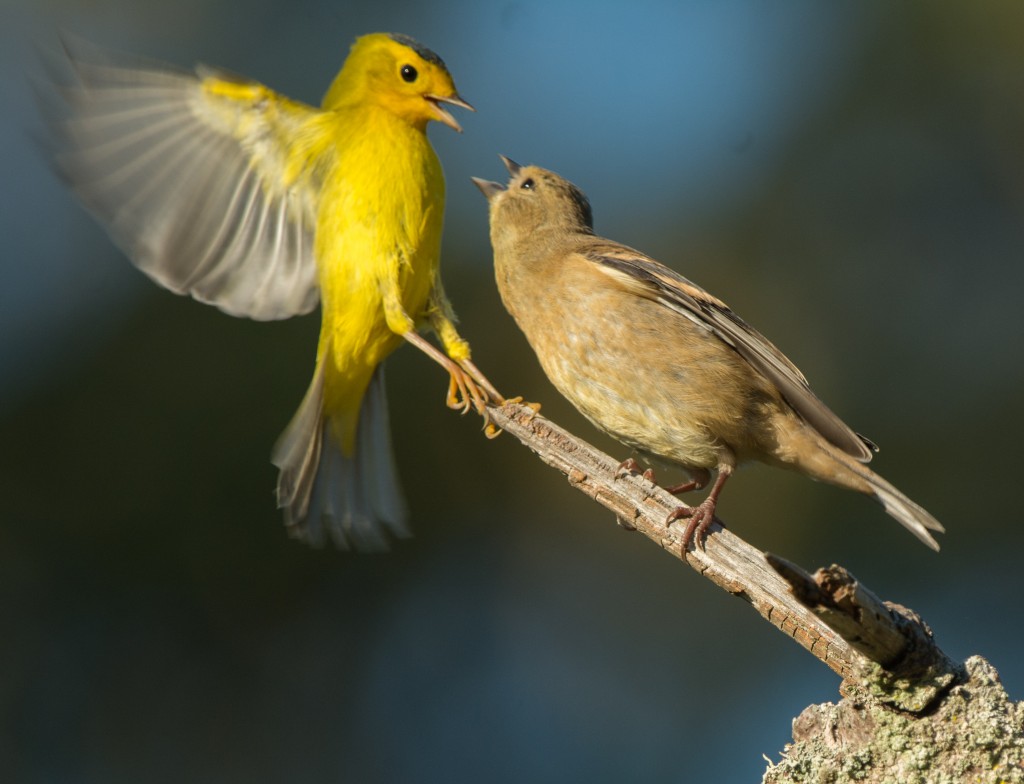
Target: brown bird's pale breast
610	367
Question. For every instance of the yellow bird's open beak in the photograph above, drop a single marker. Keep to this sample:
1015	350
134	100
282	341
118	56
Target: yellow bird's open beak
441	114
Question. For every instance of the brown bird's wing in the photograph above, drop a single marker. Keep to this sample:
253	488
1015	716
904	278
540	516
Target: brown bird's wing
188	173
648	278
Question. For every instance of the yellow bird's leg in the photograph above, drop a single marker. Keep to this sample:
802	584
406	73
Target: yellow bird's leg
462	391
442	319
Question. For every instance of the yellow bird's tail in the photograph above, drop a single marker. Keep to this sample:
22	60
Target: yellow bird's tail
357	499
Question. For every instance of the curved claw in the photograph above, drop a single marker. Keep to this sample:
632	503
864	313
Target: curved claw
463	391
458	398
700	519
702	515
628	466
518	399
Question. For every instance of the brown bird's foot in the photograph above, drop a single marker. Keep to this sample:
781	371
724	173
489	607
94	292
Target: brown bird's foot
703	515
700	519
631	466
628	466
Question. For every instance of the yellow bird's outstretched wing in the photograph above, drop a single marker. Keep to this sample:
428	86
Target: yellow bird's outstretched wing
194	177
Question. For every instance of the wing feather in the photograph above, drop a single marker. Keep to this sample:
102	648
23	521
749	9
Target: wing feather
189	173
648	278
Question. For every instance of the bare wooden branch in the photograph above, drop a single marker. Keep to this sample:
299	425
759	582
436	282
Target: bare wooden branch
837	620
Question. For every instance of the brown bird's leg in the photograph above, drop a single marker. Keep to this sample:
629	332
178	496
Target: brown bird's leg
702	515
699	477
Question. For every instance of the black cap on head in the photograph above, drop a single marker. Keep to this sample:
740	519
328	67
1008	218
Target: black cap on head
427	54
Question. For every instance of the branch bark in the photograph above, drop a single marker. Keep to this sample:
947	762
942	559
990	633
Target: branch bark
885	653
765	582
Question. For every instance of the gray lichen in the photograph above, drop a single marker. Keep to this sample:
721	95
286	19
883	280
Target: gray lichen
974	734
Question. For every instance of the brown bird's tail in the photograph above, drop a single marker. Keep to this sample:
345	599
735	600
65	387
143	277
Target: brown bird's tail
823	461
356	499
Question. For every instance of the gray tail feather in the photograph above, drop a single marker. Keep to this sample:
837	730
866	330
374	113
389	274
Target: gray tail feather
356	499
914	517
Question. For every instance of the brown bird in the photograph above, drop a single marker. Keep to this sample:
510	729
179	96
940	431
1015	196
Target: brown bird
657	362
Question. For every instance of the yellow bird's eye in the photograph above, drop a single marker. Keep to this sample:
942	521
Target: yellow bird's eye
409	73
527	184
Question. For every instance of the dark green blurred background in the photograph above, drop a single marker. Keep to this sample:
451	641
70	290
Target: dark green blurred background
849	177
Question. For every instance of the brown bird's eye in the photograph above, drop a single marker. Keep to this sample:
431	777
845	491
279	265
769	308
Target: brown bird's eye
409	73
527	184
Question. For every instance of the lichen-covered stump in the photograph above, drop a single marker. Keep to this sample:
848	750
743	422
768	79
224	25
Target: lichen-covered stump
974	734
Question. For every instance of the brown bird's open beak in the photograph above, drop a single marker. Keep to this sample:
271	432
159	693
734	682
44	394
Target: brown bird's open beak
488	188
441	114
511	165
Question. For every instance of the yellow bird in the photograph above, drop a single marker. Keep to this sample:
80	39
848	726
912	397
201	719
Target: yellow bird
218	187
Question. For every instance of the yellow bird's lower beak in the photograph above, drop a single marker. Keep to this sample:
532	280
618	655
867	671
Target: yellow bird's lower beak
442	115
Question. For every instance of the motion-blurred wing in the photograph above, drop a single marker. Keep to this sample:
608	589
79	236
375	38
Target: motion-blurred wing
191	175
648	278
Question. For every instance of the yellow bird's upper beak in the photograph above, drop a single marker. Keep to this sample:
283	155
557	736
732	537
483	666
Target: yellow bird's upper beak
441	114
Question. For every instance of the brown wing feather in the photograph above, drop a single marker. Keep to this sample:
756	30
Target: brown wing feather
648	278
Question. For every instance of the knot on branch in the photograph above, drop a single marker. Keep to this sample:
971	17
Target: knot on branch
902	666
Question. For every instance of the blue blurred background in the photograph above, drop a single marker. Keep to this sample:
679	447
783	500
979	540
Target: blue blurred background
849	177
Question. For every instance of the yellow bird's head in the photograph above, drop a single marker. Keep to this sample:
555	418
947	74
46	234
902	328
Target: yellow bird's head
398	73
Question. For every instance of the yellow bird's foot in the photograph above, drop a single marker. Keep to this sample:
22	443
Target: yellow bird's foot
518	399
463	393
493	431
463	390
493	395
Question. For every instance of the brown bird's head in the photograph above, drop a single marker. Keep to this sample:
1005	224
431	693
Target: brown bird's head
534	200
